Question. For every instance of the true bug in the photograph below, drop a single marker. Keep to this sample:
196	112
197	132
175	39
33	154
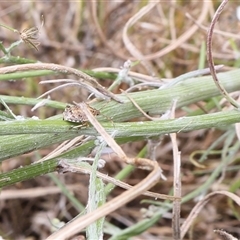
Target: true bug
74	113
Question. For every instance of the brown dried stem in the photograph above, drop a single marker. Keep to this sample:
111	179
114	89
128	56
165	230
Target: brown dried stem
198	207
85	80
210	57
180	40
101	34
82	222
177	186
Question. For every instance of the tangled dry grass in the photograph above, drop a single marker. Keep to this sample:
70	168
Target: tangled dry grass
168	37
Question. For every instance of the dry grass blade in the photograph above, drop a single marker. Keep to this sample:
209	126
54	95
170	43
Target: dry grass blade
100	32
223	33
109	140
71	168
177	186
34	192
197	208
69	83
80	223
139	162
62	148
84	79
137	76
184	37
210	57
131	48
224	235
137	106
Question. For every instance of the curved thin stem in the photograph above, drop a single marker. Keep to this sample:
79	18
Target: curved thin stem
210	58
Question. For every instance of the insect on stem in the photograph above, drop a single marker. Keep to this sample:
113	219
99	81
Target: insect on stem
74	113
